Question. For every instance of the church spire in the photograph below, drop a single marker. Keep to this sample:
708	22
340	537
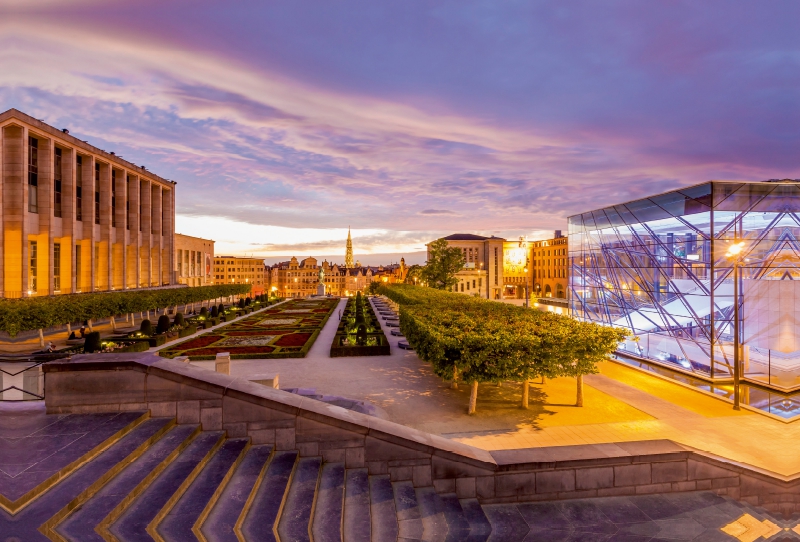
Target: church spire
348	255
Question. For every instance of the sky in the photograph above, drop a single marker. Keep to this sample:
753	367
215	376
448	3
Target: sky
285	123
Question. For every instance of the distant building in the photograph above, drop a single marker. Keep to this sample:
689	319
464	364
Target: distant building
483	272
551	267
348	255
242	270
295	278
76	218
194	260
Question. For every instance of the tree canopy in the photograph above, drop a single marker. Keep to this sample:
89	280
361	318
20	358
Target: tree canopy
443	263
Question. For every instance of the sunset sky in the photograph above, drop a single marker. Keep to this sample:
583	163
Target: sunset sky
286	122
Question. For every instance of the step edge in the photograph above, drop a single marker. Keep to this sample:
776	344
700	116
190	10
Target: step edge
237	528
198	525
152	527
104	527
285	496
13	507
48	528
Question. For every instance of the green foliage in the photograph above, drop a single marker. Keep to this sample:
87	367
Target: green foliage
241	303
414	272
18	315
220	309
204	312
372	289
478	340
214	311
163	324
92	343
146	327
443	263
178	320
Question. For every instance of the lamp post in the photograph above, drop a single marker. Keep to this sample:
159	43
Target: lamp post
733	253
527	305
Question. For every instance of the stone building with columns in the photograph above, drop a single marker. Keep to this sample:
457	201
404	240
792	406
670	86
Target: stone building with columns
75	218
194	259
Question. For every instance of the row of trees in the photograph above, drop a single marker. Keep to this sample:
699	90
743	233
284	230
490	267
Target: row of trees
17	315
474	341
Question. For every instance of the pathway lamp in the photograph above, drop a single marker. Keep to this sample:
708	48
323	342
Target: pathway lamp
527	304
734	254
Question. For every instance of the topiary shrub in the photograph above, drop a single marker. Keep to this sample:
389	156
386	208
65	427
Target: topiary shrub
241	303
247	302
220	309
214	312
179	321
146	328
92	342
204	312
163	324
361	334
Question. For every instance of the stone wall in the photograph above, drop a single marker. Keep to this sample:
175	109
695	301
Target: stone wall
109	382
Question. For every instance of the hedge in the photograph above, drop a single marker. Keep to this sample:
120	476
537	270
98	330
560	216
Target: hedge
17	315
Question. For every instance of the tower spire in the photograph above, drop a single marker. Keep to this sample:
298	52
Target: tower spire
348	255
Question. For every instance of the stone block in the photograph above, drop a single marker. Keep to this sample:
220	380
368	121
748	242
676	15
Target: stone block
399	474
270	380
555	481
188	412
211	419
262	436
515	484
732	481
689	485
211	403
671	471
632	475
465	488
699	470
410	462
382	450
484	487
222	363
594	478
615	491
666	487
335	456
126	407
450	468
94	387
284	439
443	487
308	449
703	484
237	410
178	387
235	430
166	409
421	476
377	467
354	458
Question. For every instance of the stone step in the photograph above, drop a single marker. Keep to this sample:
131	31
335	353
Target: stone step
327	523
479	526
267	498
55	503
178	523
356	521
458	527
221	520
434	524
382	511
409	517
132	525
507	523
295	520
80	525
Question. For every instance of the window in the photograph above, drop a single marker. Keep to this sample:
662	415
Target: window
495	266
140	206
96	193
180	262
33	175
79	188
57	183
113	199
78	267
57	267
127	202
33	260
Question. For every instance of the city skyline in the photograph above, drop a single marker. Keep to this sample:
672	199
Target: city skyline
282	126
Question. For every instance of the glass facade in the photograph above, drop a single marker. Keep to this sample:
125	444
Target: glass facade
659	267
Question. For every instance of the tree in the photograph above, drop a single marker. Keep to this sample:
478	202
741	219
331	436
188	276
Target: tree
443	263
414	272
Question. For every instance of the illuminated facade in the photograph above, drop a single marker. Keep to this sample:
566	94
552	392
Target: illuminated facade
241	270
549	263
660	267
296	278
75	218
482	274
194	260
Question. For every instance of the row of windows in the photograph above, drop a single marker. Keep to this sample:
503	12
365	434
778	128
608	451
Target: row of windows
553	252
550	273
58	175
555	261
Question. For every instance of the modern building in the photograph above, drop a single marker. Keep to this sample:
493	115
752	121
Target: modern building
194	260
483	271
664	268
242	270
75	218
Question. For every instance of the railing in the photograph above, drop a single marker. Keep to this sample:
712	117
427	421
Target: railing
21	377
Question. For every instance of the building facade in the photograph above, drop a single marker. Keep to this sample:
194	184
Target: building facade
242	270
663	267
550	267
294	278
483	273
75	218
194	260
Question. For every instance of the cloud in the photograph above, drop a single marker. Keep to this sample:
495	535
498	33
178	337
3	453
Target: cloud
437	212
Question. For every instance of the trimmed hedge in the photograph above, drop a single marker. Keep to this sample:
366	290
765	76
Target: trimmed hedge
17	315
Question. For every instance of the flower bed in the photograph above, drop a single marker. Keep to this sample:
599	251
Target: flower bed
284	331
347	342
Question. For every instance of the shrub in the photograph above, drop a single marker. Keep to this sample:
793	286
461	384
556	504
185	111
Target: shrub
146	327
247	302
92	343
179	321
214	312
241	303
204	312
220	309
163	324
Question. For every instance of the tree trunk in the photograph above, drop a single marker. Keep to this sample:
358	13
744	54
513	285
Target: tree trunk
41	338
579	401
133	319
454	385
89	322
113	325
525	389
473	398
69	329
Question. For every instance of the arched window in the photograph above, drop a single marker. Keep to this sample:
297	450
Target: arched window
559	290
548	292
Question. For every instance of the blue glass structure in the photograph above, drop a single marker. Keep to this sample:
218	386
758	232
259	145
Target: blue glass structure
658	266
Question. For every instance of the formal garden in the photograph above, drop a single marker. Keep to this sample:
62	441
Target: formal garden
474	341
287	330
359	332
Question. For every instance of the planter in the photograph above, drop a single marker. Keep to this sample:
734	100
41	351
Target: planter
135	346
188	330
340	350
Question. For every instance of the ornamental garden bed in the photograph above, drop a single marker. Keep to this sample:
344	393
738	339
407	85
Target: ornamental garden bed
285	331
352	341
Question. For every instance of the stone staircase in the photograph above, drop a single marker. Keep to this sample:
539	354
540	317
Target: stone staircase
131	477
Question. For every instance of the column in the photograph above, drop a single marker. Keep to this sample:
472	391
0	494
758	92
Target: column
144	233
155	237
67	220
43	236
15	205
134	237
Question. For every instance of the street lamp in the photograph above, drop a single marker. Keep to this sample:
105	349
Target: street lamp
527	305
734	253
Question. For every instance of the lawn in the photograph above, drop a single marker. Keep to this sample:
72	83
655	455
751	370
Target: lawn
285	331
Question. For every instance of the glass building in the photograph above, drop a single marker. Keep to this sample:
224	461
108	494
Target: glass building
659	267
